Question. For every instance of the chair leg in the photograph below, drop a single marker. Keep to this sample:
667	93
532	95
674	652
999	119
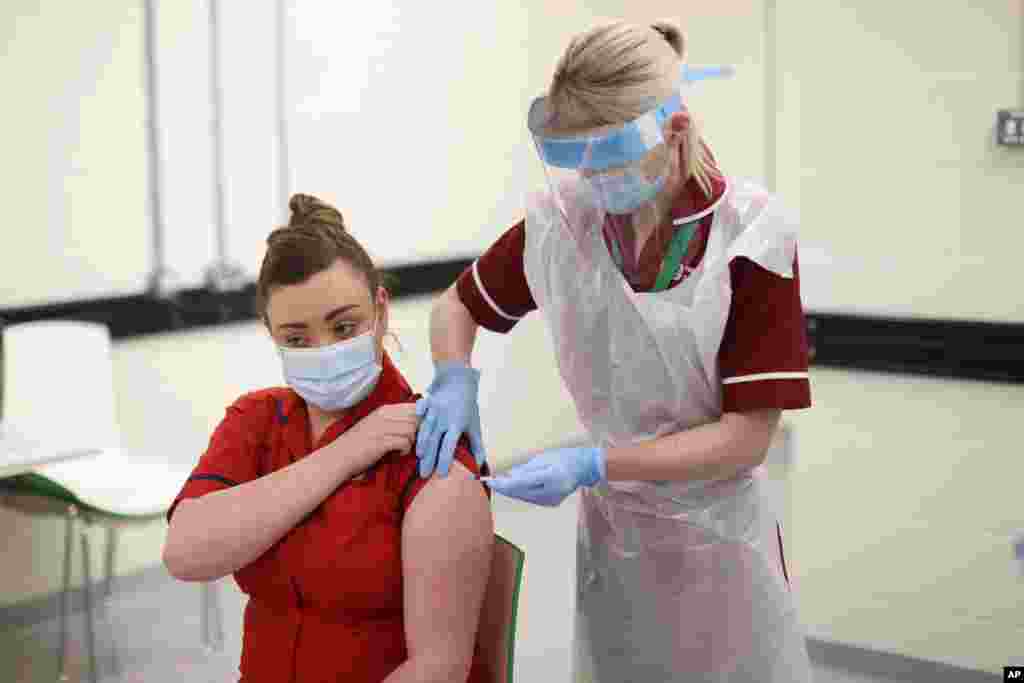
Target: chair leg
115	662
111	553
211	625
204	615
89	619
218	617
69	532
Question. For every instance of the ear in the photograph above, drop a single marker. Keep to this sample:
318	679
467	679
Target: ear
676	127
383	300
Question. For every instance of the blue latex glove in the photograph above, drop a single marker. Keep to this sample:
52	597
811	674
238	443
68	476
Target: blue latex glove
549	477
448	410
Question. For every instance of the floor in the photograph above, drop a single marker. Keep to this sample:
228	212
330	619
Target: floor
155	621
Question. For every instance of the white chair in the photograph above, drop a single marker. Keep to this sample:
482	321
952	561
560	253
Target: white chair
58	388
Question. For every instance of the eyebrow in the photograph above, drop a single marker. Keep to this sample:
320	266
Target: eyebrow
330	316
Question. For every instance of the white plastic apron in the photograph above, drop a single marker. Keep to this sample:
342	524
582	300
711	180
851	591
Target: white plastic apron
675	581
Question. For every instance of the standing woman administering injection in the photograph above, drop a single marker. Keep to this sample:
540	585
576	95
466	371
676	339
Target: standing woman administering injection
672	295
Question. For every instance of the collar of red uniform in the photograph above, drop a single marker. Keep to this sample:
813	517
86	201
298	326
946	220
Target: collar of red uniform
391	388
692	203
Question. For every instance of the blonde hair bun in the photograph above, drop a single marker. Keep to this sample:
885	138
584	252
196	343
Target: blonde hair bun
673	35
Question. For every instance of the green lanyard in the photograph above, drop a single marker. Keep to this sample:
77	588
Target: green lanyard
676	252
670	265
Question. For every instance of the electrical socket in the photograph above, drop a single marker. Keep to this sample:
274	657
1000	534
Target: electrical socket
1010	127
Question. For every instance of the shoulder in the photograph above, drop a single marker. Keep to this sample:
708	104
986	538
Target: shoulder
757	227
405	475
458	497
264	406
261	399
392	386
749	205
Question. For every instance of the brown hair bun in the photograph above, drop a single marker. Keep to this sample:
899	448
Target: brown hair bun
307	209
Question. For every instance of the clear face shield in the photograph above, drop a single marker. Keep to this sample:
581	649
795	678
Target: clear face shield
610	171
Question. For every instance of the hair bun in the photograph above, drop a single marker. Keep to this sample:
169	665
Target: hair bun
306	208
672	34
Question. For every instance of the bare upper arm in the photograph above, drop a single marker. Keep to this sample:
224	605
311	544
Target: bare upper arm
755	427
447	544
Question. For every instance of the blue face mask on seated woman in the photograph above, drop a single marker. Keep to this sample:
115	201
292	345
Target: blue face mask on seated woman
333	377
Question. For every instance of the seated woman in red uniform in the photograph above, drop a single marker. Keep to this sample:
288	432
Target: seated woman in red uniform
311	497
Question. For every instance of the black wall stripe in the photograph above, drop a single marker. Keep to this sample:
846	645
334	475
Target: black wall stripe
941	348
141	314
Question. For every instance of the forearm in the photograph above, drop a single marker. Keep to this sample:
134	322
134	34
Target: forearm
221	532
452	329
715	451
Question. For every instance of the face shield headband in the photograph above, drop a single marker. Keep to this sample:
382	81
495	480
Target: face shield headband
617	148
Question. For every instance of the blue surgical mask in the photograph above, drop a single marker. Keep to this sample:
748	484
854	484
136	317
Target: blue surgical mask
625	193
334	377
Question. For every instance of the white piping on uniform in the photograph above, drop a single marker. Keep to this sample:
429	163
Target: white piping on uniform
763	376
483	292
700	214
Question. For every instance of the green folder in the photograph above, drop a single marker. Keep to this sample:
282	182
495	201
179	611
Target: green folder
497	632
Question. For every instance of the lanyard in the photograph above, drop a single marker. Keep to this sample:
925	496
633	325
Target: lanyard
616	250
676	252
670	265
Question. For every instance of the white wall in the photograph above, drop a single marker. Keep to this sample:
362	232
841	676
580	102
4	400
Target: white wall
73	169
414	128
886	145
